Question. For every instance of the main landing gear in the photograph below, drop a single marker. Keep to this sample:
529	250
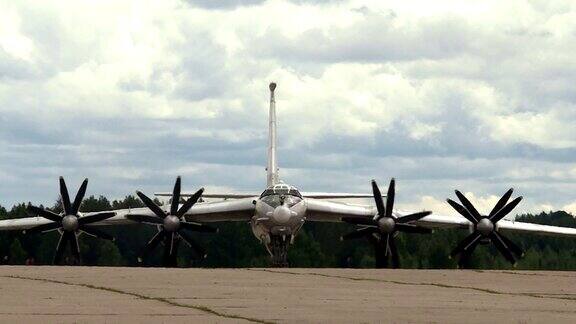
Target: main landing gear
278	248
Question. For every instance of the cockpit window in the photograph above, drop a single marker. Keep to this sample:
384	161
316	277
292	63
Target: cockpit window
281	190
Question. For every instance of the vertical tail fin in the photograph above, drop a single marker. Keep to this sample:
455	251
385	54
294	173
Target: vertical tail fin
272	167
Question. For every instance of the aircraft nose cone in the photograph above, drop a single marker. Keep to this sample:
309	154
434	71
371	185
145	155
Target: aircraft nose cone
282	214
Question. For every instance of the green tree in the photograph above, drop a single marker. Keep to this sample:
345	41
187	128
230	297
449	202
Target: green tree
17	253
109	255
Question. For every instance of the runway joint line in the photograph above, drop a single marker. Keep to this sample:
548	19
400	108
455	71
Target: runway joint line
202	308
432	284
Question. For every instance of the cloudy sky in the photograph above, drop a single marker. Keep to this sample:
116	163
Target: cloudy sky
477	96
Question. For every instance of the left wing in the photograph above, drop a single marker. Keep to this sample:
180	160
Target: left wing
329	211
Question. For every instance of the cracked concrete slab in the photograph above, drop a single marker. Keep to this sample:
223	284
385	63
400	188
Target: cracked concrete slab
96	294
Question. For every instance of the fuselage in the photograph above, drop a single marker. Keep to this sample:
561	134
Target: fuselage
280	211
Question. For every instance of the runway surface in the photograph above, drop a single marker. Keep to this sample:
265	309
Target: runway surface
151	295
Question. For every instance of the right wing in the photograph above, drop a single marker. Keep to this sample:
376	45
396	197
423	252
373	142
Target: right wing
223	211
211	195
206	212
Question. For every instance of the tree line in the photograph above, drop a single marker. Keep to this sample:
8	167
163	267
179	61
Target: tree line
317	245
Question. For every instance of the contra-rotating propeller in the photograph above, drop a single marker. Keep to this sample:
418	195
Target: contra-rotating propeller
485	228
172	225
382	228
70	222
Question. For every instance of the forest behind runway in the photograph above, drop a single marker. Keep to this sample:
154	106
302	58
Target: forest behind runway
318	245
260	295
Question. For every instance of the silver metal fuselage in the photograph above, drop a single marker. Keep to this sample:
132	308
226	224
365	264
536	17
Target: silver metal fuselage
279	212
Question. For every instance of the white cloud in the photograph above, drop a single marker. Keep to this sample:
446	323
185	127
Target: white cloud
12	41
477	96
571	208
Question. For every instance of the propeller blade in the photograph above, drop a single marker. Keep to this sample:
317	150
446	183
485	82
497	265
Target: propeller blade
465	256
505	210
385	240
95	218
65	197
381	259
468	205
144	219
171	239
380	250
176	196
408	228
190	202
199	250
366	231
198	227
168	257
156	239
45	213
412	217
501	203
151	205
74	247
502	247
174	255
462	211
79	196
378	200
513	247
393	251
466	243
61	247
42	228
359	221
463	260
97	233
390	197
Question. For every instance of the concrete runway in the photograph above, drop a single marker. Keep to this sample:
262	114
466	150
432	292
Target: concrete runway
98	294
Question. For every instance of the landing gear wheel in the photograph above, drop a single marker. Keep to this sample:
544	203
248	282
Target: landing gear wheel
279	251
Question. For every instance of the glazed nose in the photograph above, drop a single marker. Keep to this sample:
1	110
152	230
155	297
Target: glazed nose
282	214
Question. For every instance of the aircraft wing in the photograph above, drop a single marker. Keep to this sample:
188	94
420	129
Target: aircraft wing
237	210
234	210
205	212
505	225
315	195
336	195
211	195
329	211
